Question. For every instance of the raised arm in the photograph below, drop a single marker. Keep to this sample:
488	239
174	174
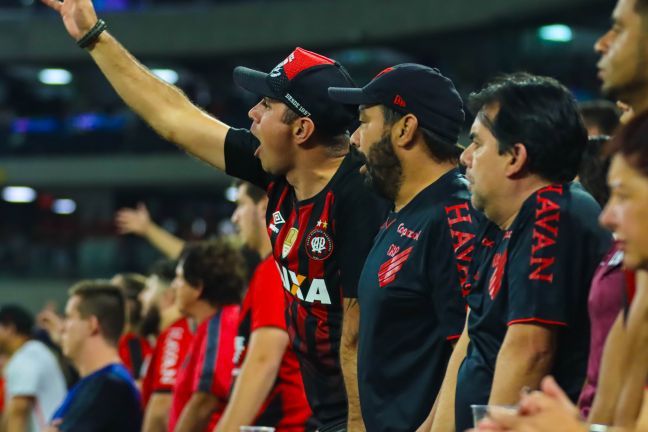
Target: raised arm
138	221
164	107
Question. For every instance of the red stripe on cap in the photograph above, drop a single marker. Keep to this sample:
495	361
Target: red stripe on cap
301	59
383	72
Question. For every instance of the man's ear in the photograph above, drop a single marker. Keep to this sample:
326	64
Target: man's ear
94	325
404	130
302	129
518	158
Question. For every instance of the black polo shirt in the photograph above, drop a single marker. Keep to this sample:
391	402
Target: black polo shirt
319	245
411	304
538	271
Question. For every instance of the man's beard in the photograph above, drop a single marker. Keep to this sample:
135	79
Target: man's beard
384	170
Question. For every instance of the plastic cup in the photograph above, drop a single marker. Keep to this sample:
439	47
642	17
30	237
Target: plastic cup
479	412
256	429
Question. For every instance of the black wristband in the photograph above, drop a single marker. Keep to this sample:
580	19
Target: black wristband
91	37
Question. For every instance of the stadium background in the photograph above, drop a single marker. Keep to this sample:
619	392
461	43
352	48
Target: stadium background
71	153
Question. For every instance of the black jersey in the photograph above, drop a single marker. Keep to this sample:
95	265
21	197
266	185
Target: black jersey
411	304
538	271
320	245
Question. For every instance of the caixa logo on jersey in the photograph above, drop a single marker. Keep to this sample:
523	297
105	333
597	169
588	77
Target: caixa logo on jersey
297	284
319	245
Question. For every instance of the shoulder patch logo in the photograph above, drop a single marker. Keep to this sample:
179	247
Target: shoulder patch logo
319	245
289	241
277	219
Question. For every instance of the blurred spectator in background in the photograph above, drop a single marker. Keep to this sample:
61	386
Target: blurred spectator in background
171	347
106	398
592	172
158	299
35	385
138	221
133	347
209	281
601	117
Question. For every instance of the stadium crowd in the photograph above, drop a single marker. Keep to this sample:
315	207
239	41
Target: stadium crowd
381	280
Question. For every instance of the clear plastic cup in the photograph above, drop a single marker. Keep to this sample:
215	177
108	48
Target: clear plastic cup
480	412
256	429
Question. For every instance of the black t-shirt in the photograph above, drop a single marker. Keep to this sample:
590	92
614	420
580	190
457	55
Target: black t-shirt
538	271
104	401
411	304
320	245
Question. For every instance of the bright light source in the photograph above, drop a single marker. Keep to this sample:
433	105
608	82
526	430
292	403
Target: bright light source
55	76
18	194
231	193
555	33
168	75
64	206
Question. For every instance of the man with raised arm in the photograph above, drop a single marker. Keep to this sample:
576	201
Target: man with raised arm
321	217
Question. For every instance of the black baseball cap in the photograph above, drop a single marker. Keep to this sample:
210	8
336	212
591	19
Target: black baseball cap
411	88
302	81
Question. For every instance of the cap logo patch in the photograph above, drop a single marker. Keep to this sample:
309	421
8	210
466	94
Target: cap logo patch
277	69
398	100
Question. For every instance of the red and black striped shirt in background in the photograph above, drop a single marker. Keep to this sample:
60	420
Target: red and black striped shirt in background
133	351
320	245
285	408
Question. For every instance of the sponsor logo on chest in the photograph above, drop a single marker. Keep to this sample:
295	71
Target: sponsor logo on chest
296	284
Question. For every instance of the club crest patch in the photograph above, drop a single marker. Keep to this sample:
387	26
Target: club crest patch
319	245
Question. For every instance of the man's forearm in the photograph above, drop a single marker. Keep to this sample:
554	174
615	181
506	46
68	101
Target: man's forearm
156	417
349	362
164	241
164	107
196	414
17	414
256	378
442	419
516	369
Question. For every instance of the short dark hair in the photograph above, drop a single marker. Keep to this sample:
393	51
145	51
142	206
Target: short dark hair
641	6
593	170
104	301
17	317
164	269
441	149
255	193
218	266
602	114
333	139
540	113
630	142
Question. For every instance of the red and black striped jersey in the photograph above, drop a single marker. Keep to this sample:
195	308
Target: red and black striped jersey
320	245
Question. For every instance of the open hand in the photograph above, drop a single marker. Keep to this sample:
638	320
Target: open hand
133	221
78	16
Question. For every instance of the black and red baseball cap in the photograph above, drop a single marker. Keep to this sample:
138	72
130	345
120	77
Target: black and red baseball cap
302	81
411	88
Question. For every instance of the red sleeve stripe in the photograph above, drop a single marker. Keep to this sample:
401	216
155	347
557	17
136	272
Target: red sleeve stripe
453	337
537	320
